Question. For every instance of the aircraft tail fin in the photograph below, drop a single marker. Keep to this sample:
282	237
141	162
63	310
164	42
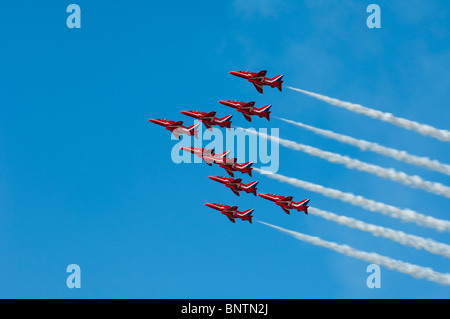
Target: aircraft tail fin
247	215
277	81
251	187
226	121
266	110
278	78
245	168
304	202
248	164
263	108
302	206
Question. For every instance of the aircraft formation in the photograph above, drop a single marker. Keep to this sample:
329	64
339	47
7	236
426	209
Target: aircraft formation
230	165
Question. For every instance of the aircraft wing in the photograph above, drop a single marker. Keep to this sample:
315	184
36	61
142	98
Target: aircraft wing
207	160
231	210
235	191
248	106
258	87
209	116
231	219
247	117
176	133
286	199
260	75
175	125
230	172
286	210
237	181
231	160
208	125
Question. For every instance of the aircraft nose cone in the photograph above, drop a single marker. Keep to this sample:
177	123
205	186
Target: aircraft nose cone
153	121
214	178
209	205
233	72
184	112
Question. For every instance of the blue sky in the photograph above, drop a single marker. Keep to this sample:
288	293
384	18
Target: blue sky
86	179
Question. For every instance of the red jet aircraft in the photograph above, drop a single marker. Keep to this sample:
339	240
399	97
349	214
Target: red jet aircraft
286	203
235	184
209	119
228	163
208	155
249	109
198	151
177	128
232	166
259	79
231	212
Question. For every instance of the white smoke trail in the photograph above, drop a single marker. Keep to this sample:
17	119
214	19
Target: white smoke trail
442	135
393	264
413	181
406	215
402	156
417	242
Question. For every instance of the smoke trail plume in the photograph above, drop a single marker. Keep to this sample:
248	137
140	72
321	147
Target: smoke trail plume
417	242
413	181
374	147
393	264
406	215
442	135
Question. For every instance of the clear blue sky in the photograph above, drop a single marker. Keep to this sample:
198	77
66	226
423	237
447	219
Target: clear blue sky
86	179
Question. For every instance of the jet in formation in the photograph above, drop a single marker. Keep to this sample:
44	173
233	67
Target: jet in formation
231	212
286	203
236	185
259	79
208	155
209	119
177	128
231	167
228	163
248	109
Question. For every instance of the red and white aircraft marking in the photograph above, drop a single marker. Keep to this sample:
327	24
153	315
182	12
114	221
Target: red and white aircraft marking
228	163
259	79
209	119
248	109
208	155
231	167
286	203
198	151
231	212
235	184
177	128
